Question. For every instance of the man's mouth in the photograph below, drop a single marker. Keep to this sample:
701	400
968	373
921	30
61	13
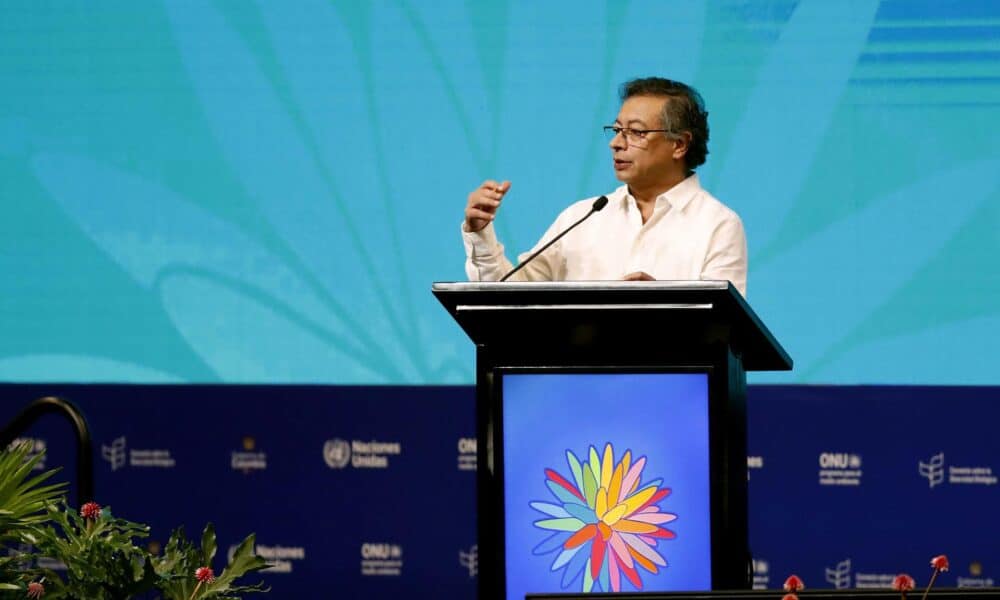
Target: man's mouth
621	164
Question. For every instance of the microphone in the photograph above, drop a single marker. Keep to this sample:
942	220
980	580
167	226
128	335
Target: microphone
598	205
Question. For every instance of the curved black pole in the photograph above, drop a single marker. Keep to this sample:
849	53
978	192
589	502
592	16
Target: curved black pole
84	448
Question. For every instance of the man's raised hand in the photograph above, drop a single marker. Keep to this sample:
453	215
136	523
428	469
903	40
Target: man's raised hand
483	204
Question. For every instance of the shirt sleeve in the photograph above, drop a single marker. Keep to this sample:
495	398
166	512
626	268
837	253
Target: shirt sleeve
727	254
485	259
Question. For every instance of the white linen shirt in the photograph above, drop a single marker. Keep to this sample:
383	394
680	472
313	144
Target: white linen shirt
689	236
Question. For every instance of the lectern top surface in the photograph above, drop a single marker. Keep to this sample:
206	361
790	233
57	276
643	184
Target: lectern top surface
545	312
495	286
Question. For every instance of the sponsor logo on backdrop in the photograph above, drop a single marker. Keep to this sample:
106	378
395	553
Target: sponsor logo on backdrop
381	559
36	446
115	453
467	454
935	469
360	454
754	462
976	578
840	575
119	455
470	560
874	580
971	475
336	453
761	574
248	459
840	468
281	558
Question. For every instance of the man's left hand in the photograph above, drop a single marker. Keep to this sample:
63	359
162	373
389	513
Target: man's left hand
638	276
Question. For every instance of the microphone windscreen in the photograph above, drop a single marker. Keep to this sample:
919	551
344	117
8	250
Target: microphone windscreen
600	203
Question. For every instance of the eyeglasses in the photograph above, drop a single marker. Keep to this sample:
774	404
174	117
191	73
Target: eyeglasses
634	137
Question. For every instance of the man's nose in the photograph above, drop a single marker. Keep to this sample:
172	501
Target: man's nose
618	142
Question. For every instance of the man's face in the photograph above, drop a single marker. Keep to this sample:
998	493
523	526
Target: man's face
650	159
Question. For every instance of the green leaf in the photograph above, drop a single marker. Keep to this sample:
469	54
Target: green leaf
22	498
181	558
101	558
208	544
145	578
244	561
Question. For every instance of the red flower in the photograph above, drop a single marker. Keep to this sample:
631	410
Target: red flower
36	589
903	583
204	574
90	510
794	584
789	597
940	563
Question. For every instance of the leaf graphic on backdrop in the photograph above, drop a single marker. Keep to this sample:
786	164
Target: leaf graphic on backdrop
330	83
227	319
775	142
368	47
386	191
327	113
648	43
641	39
442	34
287	177
32	368
146	228
419	183
573	88
928	353
902	231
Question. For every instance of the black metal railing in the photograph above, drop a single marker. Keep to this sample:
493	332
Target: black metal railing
19	425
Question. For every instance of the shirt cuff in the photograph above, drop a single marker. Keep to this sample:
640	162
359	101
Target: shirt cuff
480	243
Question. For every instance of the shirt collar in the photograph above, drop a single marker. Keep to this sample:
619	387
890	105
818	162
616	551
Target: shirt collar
678	196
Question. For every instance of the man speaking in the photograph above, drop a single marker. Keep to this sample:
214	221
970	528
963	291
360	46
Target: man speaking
661	224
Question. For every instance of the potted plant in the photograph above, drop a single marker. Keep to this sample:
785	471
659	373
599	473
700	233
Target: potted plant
23	499
99	551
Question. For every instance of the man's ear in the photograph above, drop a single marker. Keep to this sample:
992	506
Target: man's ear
681	145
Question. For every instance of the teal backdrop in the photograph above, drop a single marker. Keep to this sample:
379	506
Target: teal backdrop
264	191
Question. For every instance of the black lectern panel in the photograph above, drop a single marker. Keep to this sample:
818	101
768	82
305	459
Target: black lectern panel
621	331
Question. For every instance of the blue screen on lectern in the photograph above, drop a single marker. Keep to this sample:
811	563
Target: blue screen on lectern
606	482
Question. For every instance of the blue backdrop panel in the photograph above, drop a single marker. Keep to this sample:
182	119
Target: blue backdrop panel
848	485
851	485
165	456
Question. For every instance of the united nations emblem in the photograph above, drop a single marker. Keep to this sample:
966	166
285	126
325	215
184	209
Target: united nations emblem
337	453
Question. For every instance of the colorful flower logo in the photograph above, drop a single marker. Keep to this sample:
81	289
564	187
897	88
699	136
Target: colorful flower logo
607	522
